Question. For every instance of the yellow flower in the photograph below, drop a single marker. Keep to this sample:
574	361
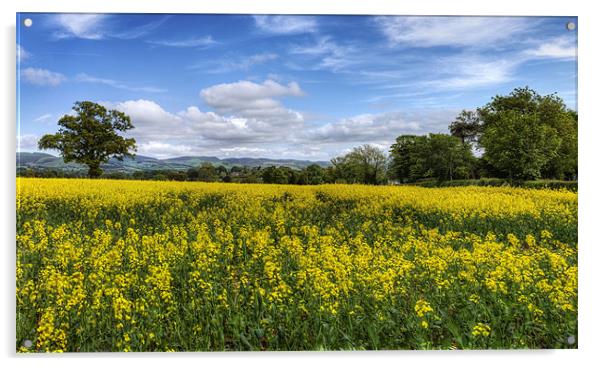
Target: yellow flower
128	258
482	330
422	308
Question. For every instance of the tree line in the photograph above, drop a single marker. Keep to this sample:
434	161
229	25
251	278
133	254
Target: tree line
518	137
521	136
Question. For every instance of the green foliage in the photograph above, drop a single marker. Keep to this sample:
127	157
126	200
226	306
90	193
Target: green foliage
528	136
400	164
500	182
207	173
364	164
275	175
466	126
91	136
571	185
313	174
519	145
438	156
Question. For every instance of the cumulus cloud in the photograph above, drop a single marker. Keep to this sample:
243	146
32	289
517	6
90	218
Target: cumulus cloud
244	115
212	126
192	131
164	150
42	77
286	24
380	130
255	101
367	128
194	127
249	119
150	120
451	31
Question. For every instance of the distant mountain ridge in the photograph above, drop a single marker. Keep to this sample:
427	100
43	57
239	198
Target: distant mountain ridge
38	160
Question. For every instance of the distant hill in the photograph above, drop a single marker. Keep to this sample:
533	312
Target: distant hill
141	163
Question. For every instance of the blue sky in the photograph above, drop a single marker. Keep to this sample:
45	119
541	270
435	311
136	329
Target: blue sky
306	87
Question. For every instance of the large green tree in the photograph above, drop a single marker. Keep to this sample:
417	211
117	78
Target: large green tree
402	158
91	137
529	136
207	173
364	164
519	146
466	126
438	156
275	175
448	157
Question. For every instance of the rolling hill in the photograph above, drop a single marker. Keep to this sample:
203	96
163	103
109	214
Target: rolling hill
43	161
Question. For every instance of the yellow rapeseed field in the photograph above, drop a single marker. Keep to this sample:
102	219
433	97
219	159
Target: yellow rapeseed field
108	265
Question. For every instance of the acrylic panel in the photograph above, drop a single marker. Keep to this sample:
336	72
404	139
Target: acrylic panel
197	182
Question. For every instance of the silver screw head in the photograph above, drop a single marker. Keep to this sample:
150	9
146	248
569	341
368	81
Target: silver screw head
571	26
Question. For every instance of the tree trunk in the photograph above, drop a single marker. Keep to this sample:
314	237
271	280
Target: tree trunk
94	170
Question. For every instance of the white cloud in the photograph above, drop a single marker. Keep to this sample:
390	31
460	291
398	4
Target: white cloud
286	24
165	150
560	48
380	130
331	55
86	26
130	32
193	126
261	57
229	95
163	134
255	101
99	26
245	114
366	128
452	31
22	54
212	126
229	65
43	118
465	71
162	150
27	142
42	76
190	42
150	120
85	78
243	150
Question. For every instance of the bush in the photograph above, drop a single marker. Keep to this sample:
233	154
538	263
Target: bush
499	182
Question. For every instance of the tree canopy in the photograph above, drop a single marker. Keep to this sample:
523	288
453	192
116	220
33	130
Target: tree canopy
90	136
438	156
529	136
364	164
466	126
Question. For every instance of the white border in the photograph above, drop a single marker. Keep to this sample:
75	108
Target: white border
589	174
